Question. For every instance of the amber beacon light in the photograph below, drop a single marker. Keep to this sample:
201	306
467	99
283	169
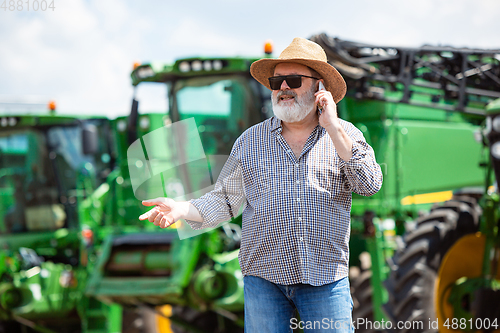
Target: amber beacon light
268	47
52	106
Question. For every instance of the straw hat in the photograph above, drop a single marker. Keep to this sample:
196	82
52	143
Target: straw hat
304	52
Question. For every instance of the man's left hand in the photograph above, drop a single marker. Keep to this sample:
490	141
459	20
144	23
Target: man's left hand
328	116
329	121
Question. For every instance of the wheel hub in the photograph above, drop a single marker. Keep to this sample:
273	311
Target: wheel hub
460	291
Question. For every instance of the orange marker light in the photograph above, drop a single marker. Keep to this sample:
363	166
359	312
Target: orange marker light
268	46
52	105
136	64
88	237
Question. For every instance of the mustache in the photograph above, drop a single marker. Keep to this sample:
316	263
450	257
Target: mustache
286	93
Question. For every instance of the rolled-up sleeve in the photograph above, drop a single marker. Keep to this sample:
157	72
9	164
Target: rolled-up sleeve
224	201
362	172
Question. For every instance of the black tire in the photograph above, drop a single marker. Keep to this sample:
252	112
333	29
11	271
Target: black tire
9	327
411	282
69	324
362	312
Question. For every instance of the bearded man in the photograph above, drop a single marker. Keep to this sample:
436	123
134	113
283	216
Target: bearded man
297	172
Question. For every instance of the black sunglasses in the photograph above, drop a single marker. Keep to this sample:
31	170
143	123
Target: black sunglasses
293	81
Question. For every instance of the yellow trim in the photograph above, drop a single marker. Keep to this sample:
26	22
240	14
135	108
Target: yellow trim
163	324
427	198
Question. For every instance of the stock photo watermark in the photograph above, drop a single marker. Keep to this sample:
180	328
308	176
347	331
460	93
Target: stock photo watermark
421	325
28	5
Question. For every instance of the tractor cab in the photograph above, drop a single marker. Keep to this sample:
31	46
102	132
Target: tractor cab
49	166
219	94
45	168
28	185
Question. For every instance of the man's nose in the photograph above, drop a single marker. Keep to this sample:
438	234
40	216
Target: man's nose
284	85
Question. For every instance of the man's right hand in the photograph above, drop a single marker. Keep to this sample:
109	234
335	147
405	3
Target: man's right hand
167	211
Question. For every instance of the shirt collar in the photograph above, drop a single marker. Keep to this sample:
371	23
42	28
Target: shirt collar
275	123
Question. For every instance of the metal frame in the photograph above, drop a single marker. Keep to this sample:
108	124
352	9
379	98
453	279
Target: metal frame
452	70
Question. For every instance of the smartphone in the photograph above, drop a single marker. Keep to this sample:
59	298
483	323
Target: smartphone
320	87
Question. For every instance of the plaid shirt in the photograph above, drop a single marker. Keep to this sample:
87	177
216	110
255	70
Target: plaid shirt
296	218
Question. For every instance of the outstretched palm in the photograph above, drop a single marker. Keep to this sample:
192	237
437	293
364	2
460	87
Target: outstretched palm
165	213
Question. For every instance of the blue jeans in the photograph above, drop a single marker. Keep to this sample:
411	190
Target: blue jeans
270	307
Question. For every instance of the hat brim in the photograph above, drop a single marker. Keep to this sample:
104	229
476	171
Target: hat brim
262	69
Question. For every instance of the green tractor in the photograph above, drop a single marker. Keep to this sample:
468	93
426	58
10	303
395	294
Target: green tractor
49	164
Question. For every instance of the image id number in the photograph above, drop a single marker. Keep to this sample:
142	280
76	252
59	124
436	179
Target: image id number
464	324
27	5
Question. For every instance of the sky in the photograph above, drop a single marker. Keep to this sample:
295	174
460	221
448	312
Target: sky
81	52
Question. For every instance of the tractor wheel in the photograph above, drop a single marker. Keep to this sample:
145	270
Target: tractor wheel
361	291
420	280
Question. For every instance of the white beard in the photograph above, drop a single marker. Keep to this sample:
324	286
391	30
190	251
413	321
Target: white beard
296	112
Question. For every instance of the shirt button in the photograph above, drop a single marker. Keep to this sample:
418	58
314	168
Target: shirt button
297	165
298	181
301	239
300	219
288	151
298	199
